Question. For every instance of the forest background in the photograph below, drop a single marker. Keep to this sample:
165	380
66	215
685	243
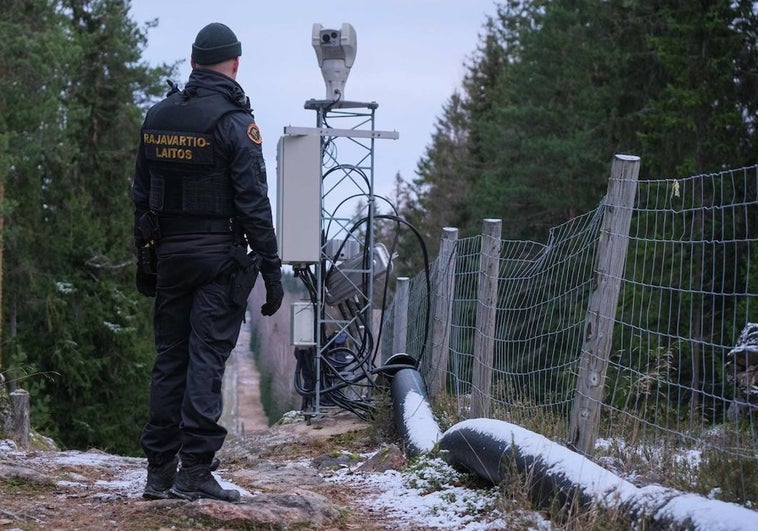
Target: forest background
554	89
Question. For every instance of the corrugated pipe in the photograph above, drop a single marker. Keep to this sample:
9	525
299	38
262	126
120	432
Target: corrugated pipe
491	448
413	415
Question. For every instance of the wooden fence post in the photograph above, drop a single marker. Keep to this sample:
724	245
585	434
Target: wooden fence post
400	318
443	310
486	310
584	422
20	417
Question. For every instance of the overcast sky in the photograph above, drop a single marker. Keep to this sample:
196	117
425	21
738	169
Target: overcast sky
410	58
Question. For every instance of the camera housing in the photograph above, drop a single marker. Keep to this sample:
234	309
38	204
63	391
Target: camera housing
335	52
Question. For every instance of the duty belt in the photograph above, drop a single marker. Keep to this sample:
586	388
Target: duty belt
188	225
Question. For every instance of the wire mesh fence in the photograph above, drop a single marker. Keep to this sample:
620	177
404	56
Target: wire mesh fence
678	374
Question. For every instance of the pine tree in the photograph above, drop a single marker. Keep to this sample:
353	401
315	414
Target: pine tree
700	122
453	166
558	87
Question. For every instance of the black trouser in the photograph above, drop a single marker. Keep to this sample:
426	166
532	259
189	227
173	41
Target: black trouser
196	328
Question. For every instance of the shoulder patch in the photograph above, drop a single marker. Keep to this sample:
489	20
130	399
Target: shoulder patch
254	134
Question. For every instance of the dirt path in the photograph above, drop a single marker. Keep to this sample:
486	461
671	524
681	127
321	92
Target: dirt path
282	473
243	410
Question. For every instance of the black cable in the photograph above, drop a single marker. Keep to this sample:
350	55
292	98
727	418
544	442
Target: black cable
385	293
361	367
336	208
426	269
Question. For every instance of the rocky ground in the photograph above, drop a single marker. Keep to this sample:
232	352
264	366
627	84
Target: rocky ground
281	472
332	472
285	473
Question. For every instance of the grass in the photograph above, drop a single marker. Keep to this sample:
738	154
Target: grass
382	422
714	463
21	486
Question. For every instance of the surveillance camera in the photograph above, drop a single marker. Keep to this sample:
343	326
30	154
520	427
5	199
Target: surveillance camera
328	36
335	52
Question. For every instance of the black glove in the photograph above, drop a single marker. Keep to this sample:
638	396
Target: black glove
274	296
271	271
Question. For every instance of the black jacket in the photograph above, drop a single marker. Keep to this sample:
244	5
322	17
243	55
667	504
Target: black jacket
237	156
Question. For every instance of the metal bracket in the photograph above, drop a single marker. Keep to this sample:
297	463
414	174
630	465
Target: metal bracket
329	131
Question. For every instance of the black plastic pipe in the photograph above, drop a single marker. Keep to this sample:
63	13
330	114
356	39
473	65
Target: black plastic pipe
414	419
494	449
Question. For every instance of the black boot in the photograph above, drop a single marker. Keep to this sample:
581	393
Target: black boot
196	481
214	464
160	478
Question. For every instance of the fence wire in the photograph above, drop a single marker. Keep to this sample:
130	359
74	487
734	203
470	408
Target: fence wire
688	290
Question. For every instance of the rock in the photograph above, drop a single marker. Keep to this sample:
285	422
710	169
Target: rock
28	475
335	460
297	508
389	457
277	477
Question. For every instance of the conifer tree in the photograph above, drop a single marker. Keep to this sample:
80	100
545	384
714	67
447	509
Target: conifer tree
75	314
33	57
558	87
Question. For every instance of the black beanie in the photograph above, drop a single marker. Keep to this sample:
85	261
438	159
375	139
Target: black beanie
215	43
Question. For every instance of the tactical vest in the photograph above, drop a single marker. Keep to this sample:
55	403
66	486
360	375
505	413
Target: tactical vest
187	175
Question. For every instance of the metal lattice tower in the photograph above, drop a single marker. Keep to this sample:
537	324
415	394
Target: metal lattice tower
349	260
333	249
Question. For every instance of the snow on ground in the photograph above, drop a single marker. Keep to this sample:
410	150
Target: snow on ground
430	494
129	480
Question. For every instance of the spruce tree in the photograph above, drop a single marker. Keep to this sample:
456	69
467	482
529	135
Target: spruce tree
558	87
76	315
34	56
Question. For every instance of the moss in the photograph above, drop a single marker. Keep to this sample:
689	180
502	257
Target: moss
42	443
5	413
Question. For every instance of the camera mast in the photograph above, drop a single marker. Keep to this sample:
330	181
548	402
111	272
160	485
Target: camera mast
325	224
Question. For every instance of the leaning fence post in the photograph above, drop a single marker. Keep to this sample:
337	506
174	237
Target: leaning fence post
486	310
584	422
443	310
400	320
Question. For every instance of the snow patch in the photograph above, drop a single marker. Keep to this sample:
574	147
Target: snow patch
423	432
430	494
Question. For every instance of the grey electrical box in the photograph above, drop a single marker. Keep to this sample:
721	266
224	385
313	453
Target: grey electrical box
298	199
302	321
